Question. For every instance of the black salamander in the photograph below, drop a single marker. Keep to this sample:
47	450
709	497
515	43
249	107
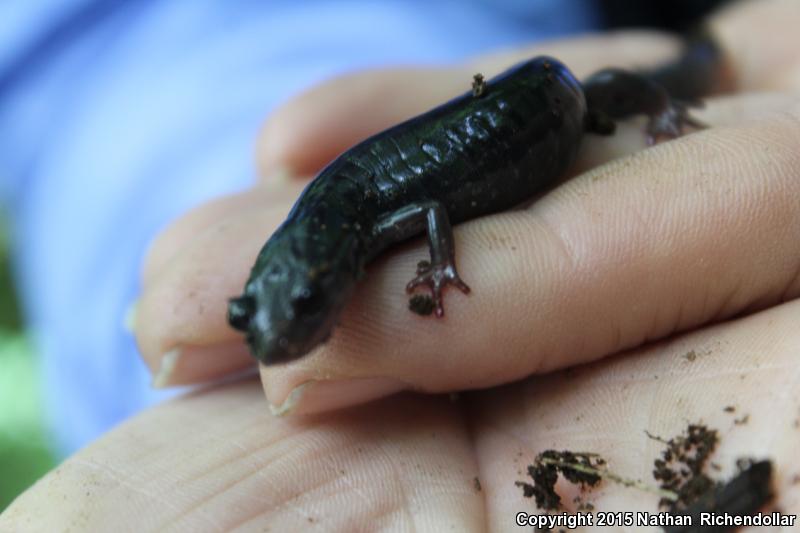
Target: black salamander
506	140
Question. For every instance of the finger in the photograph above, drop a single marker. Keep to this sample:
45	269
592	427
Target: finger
758	38
310	130
761	42
217	461
726	110
181	326
690	232
169	243
717	376
584	55
516	263
313	128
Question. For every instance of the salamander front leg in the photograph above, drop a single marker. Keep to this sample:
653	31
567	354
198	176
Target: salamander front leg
441	270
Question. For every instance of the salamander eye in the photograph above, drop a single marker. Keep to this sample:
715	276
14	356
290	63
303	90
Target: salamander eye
308	301
240	311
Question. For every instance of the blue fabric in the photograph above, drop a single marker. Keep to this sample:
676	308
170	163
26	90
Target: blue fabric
118	115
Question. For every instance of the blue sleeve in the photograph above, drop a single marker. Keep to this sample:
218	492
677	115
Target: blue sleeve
119	115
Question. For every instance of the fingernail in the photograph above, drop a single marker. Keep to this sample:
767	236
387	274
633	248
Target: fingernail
291	400
129	318
162	378
315	396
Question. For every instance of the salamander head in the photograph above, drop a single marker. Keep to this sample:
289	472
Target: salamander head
289	305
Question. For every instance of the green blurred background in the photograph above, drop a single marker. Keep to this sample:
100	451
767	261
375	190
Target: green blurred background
25	454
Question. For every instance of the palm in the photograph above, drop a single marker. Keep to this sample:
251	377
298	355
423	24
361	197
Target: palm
216	459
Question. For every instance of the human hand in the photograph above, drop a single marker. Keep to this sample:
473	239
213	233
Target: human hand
672	238
217	460
606	262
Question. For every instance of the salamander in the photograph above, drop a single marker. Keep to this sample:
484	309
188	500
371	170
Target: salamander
502	142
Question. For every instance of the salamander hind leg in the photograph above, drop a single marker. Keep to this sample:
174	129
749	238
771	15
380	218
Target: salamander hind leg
440	271
616	94
670	122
